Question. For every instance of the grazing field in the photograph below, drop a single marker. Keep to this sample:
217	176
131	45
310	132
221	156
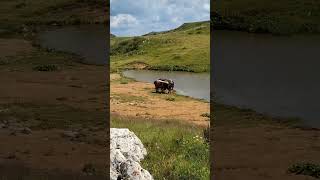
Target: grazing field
186	48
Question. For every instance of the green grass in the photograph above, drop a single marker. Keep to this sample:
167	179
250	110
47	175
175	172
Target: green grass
308	169
175	150
281	17
186	48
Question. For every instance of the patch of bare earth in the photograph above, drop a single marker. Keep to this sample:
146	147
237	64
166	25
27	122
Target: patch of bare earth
137	99
82	88
114	77
13	47
263	152
49	150
137	65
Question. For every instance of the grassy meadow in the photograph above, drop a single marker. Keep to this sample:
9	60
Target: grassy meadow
186	48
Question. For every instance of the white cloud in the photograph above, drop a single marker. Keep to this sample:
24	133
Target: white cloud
206	7
123	20
137	17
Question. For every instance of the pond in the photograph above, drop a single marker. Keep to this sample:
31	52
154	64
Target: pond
88	41
275	75
196	85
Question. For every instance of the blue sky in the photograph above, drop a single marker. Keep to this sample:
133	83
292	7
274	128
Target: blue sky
137	17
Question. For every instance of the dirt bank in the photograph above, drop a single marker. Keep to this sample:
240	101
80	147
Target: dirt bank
138	99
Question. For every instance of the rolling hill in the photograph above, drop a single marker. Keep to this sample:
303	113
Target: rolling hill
186	48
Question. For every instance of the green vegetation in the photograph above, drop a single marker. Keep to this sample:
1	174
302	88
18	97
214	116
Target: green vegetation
47	67
308	169
175	150
170	98
261	16
186	48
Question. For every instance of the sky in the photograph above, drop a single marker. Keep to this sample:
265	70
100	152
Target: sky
138	17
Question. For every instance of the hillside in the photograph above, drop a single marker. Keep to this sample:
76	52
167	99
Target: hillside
186	48
262	16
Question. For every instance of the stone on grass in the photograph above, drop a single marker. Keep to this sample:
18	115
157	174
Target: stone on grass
126	152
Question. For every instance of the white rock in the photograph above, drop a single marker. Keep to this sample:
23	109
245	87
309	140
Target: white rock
126	152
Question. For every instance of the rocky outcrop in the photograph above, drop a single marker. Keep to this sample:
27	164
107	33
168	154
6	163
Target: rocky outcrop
126	152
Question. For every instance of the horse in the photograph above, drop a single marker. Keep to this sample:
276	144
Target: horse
164	84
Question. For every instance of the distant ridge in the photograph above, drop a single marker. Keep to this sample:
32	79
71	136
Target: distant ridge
183	27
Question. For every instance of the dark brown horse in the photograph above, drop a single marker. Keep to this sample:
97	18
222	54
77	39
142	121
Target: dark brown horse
164	84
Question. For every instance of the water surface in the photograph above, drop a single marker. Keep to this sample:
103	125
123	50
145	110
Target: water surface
89	41
276	75
195	85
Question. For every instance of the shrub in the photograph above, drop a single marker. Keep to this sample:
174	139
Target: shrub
206	134
4	61
206	115
308	169
170	98
48	67
129	46
89	169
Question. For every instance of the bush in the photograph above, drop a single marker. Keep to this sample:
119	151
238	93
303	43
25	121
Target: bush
206	134
308	169
4	61
49	67
89	169
206	115
129	46
170	98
